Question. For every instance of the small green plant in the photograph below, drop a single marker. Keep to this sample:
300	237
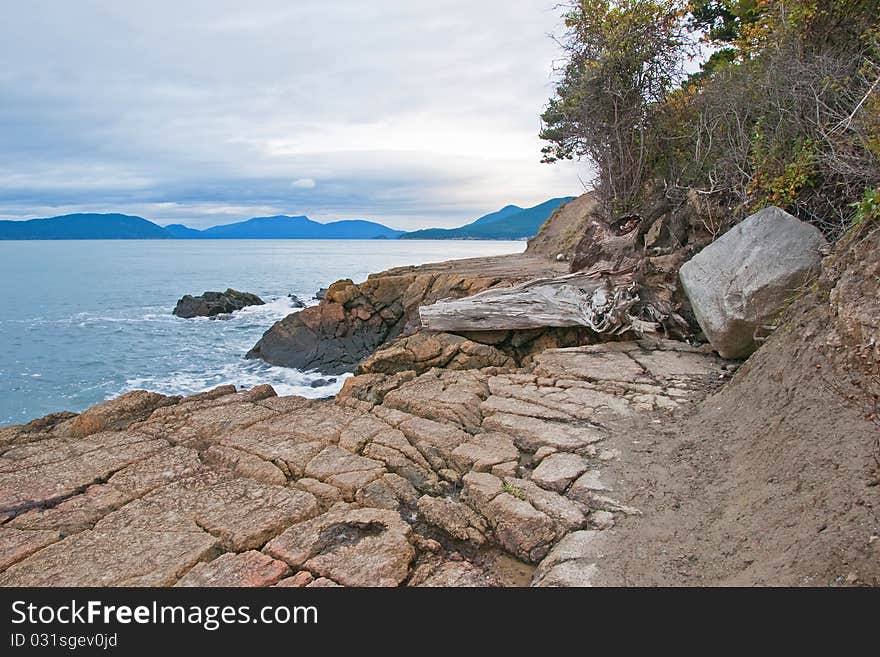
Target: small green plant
513	490
868	209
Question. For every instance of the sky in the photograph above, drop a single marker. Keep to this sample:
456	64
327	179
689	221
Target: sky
412	113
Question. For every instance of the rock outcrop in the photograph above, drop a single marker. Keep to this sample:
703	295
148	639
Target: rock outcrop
354	319
738	285
211	304
468	477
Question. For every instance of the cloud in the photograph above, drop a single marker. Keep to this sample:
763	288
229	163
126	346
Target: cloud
414	114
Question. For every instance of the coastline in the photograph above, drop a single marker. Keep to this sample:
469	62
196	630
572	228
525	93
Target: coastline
564	468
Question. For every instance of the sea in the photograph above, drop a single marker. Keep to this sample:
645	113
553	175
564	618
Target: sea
85	321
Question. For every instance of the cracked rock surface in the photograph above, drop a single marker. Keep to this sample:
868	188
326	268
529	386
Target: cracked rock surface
476	477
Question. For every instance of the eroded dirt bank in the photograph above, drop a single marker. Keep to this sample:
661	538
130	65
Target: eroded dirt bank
774	480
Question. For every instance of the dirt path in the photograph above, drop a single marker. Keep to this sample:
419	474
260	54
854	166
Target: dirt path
773	480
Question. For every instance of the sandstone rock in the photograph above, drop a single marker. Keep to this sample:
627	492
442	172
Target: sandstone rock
456	519
17	544
456	574
245	464
391	491
301	579
394	450
572	562
602	519
519	527
425	349
346	471
322	582
739	284
326	494
443	396
542	453
242	513
372	388
480	488
530	434
82	511
573	573
506	469
44	473
558	470
359	547
118	413
585	487
115	558
566	514
249	568
210	304
484	451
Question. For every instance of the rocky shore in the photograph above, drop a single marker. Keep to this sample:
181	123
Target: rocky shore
482	477
543	457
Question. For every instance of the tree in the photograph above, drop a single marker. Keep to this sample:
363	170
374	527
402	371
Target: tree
622	59
785	109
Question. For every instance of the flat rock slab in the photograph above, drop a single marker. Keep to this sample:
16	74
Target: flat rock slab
572	562
114	558
531	434
17	544
558	470
360	547
241	513
245	569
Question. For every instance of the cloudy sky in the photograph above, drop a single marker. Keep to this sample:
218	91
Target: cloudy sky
413	113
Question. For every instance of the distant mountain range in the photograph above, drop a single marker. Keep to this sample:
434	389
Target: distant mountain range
83	227
288	228
511	222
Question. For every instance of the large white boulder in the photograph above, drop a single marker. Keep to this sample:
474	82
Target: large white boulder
739	284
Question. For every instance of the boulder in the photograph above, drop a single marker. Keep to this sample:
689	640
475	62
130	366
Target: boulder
740	283
210	304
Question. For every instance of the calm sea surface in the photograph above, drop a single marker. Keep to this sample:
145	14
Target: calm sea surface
83	321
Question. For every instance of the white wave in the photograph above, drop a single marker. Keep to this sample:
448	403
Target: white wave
243	375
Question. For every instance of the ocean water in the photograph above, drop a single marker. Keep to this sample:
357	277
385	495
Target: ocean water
84	321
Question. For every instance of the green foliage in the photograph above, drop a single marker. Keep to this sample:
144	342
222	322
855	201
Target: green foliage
868	209
784	109
510	489
623	58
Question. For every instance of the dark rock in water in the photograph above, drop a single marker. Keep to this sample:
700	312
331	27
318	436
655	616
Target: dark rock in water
210	304
320	294
320	383
295	301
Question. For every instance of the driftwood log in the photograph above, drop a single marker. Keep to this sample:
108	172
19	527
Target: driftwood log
603	301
